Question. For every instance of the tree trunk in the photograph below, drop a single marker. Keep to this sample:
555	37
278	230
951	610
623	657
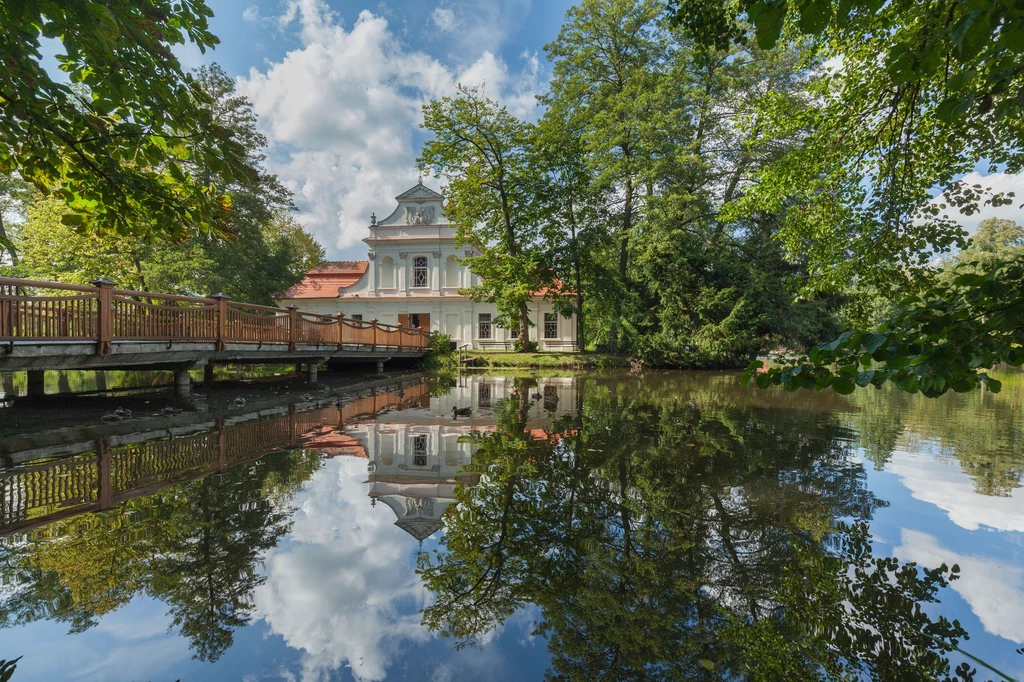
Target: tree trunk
581	338
627	226
5	242
524	327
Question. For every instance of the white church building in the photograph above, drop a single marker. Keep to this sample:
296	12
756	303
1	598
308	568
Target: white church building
413	276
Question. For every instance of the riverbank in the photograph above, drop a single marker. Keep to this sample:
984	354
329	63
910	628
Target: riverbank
544	360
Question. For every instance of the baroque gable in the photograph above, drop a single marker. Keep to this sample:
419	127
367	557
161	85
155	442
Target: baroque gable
417	206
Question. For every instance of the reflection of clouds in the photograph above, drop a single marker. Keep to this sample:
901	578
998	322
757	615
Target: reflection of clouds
344	590
112	651
943	483
994	590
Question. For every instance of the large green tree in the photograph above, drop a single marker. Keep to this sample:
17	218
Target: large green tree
607	59
119	136
492	197
911	96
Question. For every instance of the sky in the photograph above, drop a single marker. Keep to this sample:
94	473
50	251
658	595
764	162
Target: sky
338	86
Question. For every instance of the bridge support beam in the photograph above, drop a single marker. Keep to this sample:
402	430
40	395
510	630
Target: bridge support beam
311	368
36	383
208	374
182	383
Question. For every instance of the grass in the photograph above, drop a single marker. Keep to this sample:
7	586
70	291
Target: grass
545	360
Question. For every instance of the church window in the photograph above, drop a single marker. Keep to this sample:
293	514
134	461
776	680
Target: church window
419	451
484	326
419	271
550	325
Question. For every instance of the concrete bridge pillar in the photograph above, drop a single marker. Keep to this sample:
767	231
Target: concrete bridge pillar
36	383
182	383
311	372
208	374
380	367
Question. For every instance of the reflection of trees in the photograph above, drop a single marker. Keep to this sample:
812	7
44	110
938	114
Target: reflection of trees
983	432
195	546
682	537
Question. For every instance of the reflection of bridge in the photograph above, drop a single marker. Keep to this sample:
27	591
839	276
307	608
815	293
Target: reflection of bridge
38	494
45	325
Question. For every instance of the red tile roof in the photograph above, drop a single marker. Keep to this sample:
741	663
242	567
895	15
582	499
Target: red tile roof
334	444
323	281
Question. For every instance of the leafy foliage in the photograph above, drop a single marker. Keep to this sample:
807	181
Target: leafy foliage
266	252
120	142
491	197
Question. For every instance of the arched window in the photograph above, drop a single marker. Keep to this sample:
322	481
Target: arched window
451	272
387	273
419	271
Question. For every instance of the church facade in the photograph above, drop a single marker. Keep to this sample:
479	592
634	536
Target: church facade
412	276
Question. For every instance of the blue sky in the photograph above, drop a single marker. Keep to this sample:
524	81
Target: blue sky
338	87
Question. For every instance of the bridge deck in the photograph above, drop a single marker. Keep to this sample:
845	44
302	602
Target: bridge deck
46	325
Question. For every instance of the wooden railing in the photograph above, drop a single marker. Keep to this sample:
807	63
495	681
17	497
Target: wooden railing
47	311
38	494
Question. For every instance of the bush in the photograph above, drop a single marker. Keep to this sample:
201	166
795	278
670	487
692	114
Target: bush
531	346
440	355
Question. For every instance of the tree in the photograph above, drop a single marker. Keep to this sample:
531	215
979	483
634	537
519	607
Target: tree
918	94
266	252
999	237
119	140
253	266
483	152
606	61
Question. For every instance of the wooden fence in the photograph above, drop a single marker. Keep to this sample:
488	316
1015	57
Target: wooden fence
47	311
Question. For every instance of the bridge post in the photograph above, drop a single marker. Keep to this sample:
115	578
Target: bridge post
292	316
222	318
104	314
208	374
182	383
311	368
36	383
341	326
105	495
374	323
380	367
222	447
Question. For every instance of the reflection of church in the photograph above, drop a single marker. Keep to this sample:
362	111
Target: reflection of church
418	456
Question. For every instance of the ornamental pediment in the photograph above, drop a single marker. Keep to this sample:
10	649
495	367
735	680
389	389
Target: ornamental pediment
417	206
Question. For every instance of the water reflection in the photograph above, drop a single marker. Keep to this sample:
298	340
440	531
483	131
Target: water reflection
606	527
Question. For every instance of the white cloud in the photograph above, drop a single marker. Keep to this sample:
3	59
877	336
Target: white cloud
251	14
444	19
941	481
344	589
341	111
994	590
998	182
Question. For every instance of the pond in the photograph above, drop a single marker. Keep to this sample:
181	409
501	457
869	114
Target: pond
600	526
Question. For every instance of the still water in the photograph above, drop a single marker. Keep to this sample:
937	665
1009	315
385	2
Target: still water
664	526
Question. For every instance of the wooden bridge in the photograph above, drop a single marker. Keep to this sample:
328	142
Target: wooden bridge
51	326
